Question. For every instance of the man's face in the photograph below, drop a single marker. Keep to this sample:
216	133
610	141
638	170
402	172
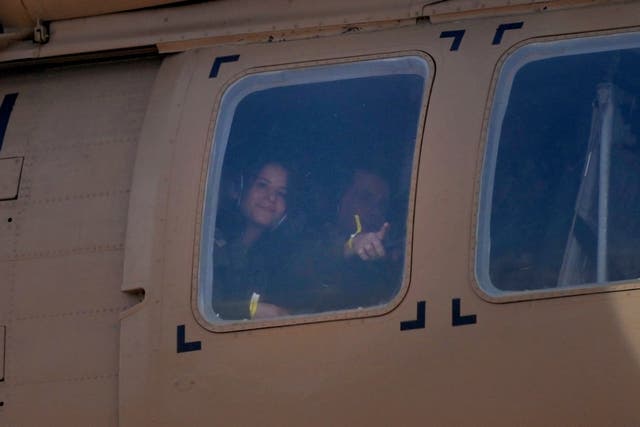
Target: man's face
367	196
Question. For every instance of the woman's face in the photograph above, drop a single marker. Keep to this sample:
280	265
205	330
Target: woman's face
265	202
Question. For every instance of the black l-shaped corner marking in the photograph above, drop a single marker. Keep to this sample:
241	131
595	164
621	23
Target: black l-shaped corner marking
421	315
219	61
457	36
497	38
183	345
457	319
5	111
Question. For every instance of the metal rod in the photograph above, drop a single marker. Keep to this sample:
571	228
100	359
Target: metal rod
606	101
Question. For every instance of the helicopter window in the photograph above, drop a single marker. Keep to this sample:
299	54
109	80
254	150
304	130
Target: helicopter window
560	198
308	190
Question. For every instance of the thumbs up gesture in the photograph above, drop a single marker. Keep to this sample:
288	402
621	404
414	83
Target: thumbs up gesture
368	246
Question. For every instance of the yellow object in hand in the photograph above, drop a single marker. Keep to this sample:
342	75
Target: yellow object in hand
356	217
253	304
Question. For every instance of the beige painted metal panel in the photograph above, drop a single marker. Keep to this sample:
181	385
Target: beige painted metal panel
97	169
365	371
77	129
86	96
84	223
2	345
86	290
18	13
146	240
10	170
465	9
8	229
227	21
63	347
208	19
146	219
74	356
193	380
6	290
73	402
13	14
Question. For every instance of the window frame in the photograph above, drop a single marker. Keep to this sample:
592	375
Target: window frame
220	127
506	69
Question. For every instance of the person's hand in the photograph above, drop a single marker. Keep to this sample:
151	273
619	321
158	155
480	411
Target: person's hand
368	246
266	310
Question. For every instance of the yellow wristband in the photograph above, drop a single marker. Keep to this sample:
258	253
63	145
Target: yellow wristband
253	304
356	217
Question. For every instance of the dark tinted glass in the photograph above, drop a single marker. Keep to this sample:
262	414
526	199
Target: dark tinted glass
312	197
563	160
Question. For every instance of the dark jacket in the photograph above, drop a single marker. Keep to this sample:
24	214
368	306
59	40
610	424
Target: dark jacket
326	281
239	271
